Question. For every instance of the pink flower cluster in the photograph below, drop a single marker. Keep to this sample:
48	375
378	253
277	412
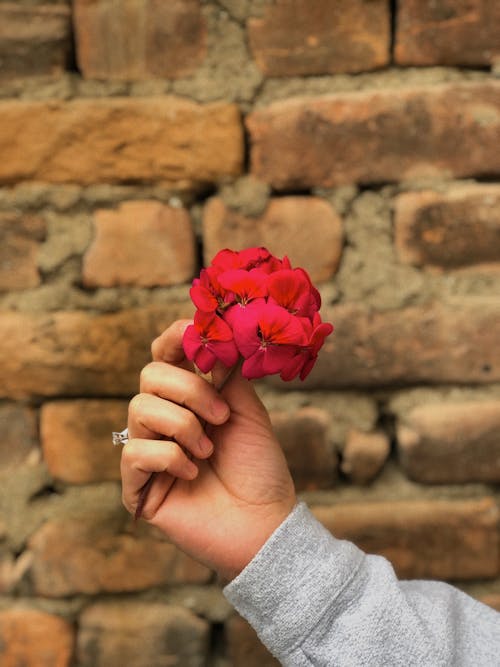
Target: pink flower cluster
251	303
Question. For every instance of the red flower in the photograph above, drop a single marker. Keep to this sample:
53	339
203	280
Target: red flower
209	339
293	290
208	294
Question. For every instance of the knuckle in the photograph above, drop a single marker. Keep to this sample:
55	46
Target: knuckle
136	407
146	377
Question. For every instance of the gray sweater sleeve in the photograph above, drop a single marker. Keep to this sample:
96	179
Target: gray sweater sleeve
316	600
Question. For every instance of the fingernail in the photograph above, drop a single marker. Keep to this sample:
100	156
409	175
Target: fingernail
220	408
205	445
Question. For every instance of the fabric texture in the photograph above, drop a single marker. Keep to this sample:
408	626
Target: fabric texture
316	600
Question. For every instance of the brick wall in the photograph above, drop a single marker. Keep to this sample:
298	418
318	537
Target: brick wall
361	138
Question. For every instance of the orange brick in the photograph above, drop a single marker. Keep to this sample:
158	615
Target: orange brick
34	638
142	243
20	239
364	455
149	39
378	136
297	37
306	229
165	140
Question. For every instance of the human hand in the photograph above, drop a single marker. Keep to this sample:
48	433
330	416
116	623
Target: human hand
227	501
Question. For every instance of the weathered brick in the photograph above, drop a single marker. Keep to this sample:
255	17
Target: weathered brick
449	230
437	539
34	638
300	37
306	229
244	647
433	343
377	136
18	429
364	455
148	39
304	438
158	139
76	439
455	442
448	32
34	40
79	353
142	243
20	238
141	634
99	558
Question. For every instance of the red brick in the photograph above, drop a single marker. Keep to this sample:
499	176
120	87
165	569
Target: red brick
437	539
244	647
300	37
79	353
448	32
149	39
34	40
306	229
76	439
455	442
98	558
142	243
450	230
378	136
34	638
18	429
137	634
165	140
20	239
433	343
364	455
311	457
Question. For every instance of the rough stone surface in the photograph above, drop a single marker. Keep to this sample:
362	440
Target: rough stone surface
18	439
76	439
448	32
140	634
378	136
244	647
132	40
34	638
99	558
301	37
20	240
310	456
364	455
435	539
455	442
450	230
142	243
34	40
307	229
158	139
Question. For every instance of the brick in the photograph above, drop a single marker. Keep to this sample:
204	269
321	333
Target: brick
301	37
76	439
34	40
306	229
244	648
143	243
151	39
364	455
141	634
18	429
99	558
34	638
434	343
448	32
378	136
455	442
165	140
493	600
303	436
20	239
79	353
436	539
450	230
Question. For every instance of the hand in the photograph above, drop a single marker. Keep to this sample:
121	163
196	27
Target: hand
236	491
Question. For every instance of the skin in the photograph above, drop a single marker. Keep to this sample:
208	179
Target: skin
221	506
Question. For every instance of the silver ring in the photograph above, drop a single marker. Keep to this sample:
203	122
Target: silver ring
120	437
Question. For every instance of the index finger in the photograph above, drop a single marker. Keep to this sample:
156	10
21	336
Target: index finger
168	346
